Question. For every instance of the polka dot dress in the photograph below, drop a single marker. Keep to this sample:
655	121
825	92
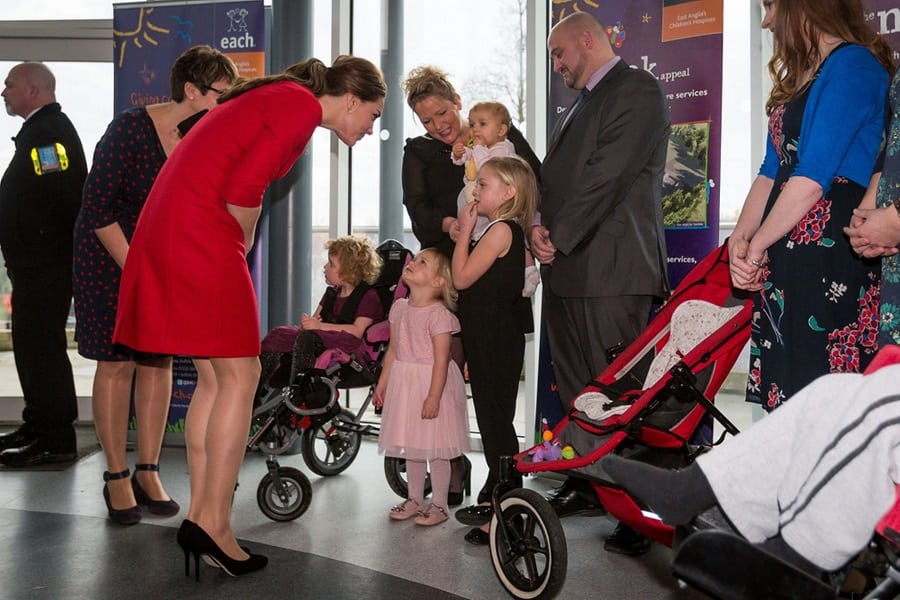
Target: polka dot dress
126	162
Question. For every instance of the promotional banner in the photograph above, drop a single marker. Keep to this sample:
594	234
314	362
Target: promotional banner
884	17
148	38
680	43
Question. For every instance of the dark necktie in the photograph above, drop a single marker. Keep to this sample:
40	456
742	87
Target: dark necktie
584	92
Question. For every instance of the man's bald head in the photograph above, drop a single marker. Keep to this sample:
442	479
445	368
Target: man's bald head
578	46
29	86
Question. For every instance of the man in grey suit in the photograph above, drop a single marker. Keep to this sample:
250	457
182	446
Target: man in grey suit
600	239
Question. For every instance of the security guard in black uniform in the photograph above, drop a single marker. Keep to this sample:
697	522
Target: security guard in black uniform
40	194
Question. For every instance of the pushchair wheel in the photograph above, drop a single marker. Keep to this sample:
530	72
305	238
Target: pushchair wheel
286	499
531	559
329	449
395	473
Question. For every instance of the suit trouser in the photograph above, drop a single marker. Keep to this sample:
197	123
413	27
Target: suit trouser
821	470
41	299
581	330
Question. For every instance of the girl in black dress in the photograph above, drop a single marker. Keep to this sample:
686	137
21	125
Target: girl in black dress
489	274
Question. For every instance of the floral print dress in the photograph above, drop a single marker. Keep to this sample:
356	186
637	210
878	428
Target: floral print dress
818	310
888	189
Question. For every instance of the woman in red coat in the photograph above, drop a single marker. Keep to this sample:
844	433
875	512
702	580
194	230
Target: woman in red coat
186	286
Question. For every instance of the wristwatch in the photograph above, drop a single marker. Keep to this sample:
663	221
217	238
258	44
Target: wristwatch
897	205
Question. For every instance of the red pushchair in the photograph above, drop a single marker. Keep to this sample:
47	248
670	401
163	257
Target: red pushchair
653	402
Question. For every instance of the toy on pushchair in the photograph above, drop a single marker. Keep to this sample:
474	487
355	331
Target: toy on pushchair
653	402
306	406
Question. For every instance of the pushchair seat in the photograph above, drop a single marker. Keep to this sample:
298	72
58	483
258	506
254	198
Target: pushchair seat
653	398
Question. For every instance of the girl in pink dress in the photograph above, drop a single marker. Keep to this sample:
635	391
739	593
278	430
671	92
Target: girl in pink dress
421	390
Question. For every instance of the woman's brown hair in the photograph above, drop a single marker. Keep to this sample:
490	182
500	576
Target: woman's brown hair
202	66
798	26
348	74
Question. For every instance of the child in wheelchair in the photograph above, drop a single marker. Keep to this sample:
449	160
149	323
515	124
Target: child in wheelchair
349	306
341	346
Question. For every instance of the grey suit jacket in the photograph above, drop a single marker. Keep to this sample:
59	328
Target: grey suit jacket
601	188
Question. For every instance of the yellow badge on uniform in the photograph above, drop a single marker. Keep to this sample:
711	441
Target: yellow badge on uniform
49	159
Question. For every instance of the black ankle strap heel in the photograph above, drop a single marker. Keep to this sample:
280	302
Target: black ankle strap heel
126	516
162	508
107	476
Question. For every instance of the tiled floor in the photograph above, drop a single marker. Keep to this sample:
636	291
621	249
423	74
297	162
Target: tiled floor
60	543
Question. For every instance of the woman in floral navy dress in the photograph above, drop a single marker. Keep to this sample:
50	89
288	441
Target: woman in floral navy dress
817	307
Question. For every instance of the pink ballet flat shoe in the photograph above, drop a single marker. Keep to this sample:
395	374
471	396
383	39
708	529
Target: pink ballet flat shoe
409	509
434	515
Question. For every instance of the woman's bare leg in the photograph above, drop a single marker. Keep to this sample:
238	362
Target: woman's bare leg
226	439
195	426
110	401
153	392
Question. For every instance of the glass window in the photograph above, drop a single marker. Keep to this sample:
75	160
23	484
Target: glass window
89	108
320	147
737	170
479	69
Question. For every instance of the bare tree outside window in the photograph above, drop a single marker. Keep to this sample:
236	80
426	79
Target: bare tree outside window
501	77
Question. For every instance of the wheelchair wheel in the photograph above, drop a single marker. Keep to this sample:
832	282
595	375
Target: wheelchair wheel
532	562
395	473
328	450
287	501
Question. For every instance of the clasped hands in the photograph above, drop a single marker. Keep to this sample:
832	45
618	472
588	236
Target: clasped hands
308	322
541	246
746	272
874	232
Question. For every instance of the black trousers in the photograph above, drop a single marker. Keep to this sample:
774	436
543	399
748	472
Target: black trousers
494	368
41	298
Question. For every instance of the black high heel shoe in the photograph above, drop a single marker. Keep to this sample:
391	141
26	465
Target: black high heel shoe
456	498
125	516
162	508
196	542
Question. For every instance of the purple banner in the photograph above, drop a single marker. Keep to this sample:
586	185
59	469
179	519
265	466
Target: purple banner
680	43
149	37
884	17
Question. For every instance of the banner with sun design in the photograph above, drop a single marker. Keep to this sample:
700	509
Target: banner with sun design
149	37
680	43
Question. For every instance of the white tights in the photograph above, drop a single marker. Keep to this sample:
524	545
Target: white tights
440	480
